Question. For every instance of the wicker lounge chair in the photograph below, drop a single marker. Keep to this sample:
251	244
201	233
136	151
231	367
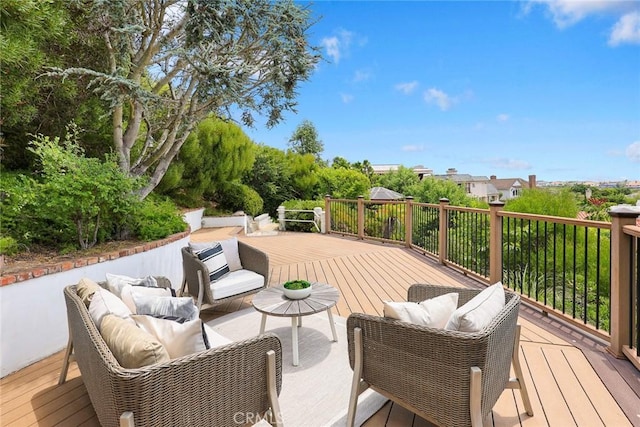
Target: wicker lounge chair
208	388
450	378
196	275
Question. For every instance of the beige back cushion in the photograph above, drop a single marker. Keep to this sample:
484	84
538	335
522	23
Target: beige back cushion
131	346
85	289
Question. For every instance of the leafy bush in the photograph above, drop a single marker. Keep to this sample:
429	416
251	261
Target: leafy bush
156	218
8	245
240	197
302	205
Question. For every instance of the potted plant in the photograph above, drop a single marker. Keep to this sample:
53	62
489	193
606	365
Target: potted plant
297	289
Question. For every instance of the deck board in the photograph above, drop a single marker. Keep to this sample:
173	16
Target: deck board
563	386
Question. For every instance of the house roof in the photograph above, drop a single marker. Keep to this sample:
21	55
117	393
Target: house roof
507	183
381	193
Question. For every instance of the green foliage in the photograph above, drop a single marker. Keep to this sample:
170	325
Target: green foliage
156	218
342	183
216	153
544	202
240	197
270	177
8	245
306	205
403	180
244	57
303	173
305	140
431	190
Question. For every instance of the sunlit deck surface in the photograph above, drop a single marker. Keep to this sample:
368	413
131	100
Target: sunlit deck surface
571	380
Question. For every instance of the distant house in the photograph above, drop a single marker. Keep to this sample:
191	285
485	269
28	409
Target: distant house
381	193
510	188
477	187
489	189
419	170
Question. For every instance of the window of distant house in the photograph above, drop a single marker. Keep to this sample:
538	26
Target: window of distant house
515	192
467	187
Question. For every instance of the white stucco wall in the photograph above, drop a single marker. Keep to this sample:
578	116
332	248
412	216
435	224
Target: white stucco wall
33	317
194	219
224	221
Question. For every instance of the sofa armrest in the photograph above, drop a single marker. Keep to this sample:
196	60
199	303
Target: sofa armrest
254	259
206	388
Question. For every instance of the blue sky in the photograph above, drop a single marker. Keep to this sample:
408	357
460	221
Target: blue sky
506	88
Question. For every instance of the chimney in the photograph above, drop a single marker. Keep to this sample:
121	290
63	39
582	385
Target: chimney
452	171
532	181
492	177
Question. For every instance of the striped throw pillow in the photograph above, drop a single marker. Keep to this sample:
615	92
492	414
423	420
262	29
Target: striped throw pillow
215	261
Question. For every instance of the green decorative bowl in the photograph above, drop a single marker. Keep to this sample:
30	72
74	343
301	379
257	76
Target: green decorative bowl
297	289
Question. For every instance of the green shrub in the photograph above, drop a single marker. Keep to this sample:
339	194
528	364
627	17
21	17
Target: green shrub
302	205
8	246
156	218
240	197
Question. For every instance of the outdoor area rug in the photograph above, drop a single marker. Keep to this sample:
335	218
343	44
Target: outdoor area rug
315	393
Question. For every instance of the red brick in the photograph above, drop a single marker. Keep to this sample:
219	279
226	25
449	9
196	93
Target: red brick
39	272
123	252
92	260
65	266
55	268
7	280
103	258
139	249
80	263
114	255
25	275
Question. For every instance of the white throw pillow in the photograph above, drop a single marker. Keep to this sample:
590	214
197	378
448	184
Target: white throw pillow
116	282
128	292
215	260
229	248
179	339
182	307
479	311
103	303
433	312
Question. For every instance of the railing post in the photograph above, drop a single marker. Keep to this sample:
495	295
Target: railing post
327	213
281	217
361	217
318	215
408	222
442	233
495	242
620	278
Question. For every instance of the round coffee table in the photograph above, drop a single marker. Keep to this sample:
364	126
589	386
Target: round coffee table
272	302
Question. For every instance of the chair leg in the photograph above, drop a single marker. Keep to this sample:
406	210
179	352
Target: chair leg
272	390
126	419
65	361
519	379
475	397
357	376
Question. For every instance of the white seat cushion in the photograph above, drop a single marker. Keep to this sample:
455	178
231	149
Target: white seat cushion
235	283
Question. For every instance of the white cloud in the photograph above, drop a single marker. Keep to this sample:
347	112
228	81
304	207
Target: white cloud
361	76
568	12
502	117
346	98
413	148
626	30
407	88
440	98
337	46
503	163
633	152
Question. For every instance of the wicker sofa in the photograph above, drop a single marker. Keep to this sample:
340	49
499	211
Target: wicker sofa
196	276
208	388
450	378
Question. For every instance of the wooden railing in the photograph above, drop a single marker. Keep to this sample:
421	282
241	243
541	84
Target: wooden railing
585	272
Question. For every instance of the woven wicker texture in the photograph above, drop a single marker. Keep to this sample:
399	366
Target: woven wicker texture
203	389
428	370
251	258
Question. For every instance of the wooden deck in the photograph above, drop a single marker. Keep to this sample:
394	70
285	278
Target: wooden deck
571	380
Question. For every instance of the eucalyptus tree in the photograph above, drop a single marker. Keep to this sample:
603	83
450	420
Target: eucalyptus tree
305	140
171	63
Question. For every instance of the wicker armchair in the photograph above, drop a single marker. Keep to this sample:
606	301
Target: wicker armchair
449	378
222	386
196	274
